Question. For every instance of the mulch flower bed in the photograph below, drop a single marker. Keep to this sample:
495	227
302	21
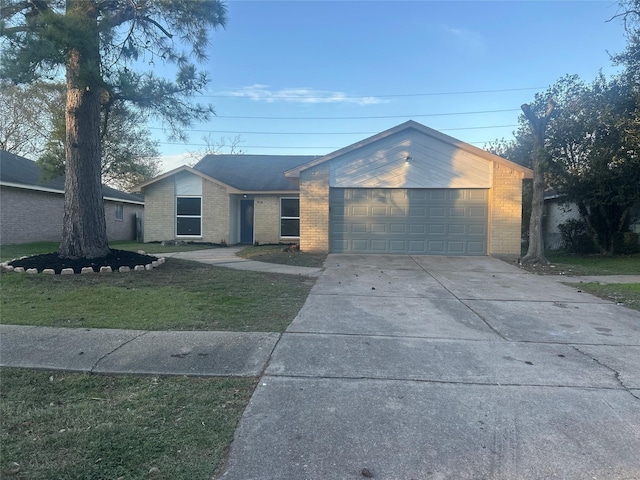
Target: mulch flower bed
115	259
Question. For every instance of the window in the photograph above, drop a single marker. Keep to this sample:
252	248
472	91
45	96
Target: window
290	217
119	212
188	216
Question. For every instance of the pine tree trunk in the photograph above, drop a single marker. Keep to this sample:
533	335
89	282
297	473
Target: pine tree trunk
84	231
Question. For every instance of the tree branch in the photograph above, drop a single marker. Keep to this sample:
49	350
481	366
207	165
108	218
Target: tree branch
160	27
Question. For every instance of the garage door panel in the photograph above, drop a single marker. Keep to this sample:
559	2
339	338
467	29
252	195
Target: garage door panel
409	221
398	228
439	212
420	229
358	228
478	230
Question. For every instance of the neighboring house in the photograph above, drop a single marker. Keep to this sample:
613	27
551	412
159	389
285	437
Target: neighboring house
407	190
557	211
31	209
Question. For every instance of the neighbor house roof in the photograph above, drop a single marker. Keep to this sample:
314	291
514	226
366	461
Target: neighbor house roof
411	124
20	172
253	172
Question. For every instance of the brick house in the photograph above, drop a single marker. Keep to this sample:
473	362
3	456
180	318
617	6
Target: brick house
31	208
407	190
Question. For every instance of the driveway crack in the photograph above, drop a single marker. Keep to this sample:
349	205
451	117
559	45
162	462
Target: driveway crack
95	365
484	320
615	372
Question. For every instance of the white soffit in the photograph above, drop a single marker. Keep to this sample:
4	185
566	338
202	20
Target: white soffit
409	159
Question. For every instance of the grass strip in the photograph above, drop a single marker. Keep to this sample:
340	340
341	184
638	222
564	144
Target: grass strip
595	264
62	426
627	294
179	295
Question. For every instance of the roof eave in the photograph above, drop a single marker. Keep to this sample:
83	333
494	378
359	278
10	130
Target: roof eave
61	192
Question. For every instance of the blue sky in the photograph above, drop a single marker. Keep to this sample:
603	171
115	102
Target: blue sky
325	74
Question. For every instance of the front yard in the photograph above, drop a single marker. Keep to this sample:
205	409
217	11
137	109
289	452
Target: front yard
67	425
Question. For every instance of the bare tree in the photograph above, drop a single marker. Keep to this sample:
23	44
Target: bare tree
535	253
226	145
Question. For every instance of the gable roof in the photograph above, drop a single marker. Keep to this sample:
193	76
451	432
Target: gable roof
243	173
411	124
20	172
253	172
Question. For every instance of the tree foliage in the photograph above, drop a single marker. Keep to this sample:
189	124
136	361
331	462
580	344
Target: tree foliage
101	46
129	155
27	115
592	151
32	125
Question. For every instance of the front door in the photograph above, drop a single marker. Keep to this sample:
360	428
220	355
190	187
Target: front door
246	221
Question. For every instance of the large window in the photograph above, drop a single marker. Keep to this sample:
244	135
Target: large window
189	216
290	217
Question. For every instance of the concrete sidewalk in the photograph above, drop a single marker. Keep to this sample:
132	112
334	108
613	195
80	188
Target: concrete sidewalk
136	351
226	257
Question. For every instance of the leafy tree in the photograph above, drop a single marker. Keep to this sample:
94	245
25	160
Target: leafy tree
27	114
592	151
99	44
129	156
596	157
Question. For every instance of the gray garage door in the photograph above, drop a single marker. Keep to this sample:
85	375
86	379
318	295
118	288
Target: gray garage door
409	221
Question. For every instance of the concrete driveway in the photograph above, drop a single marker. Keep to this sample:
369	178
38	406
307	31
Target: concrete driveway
403	367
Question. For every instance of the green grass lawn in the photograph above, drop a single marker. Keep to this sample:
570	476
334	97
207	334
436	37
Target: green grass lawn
277	254
58	425
63	425
596	264
179	295
627	294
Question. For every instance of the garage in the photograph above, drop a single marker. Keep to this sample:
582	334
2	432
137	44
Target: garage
434	221
411	190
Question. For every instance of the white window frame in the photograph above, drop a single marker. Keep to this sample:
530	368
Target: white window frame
188	216
289	218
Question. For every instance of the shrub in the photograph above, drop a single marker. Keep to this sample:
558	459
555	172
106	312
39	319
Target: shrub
575	238
626	243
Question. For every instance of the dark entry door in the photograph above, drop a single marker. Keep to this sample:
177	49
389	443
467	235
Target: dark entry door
246	221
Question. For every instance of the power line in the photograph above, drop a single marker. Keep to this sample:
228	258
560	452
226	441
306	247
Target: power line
329	133
323	147
248	94
368	117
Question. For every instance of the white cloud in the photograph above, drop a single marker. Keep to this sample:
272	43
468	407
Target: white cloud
263	93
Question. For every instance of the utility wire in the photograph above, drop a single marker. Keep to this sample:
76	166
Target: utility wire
248	94
325	133
368	117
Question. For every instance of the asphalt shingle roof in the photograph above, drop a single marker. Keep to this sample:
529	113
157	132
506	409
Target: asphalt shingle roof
253	172
18	170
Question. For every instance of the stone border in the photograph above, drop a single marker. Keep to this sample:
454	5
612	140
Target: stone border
85	270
